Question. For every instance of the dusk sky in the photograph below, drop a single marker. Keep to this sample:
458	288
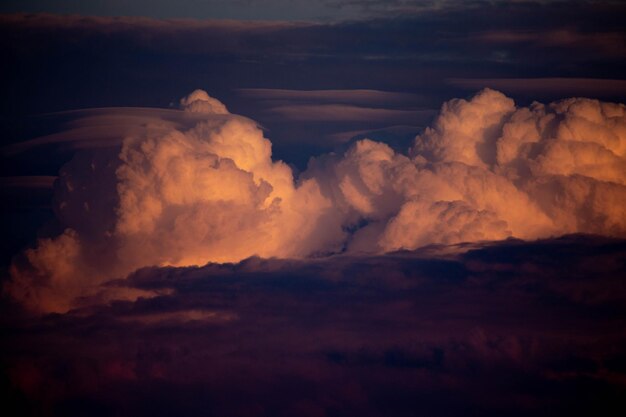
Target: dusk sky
313	208
303	10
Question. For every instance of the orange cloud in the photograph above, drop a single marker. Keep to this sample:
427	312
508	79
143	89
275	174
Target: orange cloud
207	190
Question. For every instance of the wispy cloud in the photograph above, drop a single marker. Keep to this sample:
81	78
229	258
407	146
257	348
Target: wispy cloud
375	97
107	127
344	113
587	87
32	181
607	43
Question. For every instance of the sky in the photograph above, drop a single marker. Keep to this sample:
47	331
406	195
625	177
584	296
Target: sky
293	10
313	208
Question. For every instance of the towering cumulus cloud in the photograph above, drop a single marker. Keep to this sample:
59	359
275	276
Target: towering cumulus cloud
485	170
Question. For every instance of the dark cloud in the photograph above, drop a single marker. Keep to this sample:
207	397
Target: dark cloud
347	113
35	181
362	97
512	328
408	54
538	87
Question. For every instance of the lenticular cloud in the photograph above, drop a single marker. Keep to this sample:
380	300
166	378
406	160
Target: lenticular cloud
485	170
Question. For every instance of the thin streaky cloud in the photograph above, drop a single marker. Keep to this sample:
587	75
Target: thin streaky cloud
106	127
345	136
28	181
343	113
568	86
335	96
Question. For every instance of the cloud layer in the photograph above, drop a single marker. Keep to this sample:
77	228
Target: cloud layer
485	170
510	329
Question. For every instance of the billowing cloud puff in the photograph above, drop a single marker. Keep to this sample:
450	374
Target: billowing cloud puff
465	131
211	194
200	102
486	170
563	165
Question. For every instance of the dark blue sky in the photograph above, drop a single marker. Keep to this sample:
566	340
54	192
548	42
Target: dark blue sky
324	10
569	49
202	9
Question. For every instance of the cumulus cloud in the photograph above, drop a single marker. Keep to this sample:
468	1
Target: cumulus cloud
210	192
200	102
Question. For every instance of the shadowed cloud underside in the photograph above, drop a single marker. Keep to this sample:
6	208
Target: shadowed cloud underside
510	328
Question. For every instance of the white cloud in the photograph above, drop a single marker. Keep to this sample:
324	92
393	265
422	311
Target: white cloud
211	192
